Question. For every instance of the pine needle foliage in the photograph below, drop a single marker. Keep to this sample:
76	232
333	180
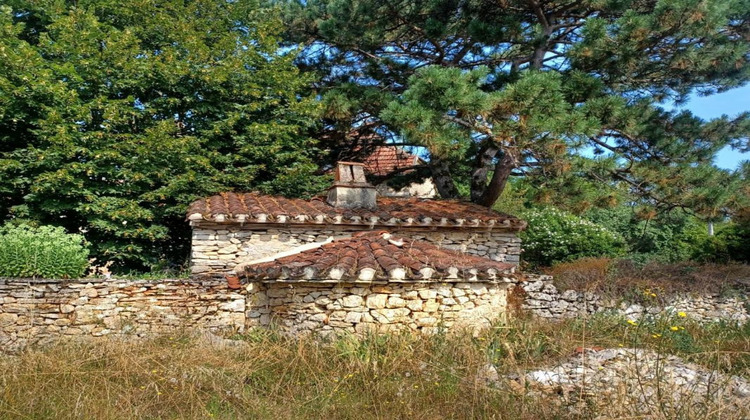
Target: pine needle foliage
527	88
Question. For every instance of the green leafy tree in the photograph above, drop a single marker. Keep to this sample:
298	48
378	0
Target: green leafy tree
518	87
115	115
555	236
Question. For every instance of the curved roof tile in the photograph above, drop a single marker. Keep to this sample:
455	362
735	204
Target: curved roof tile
391	211
378	256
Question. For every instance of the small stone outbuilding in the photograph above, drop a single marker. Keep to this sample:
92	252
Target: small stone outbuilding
231	228
375	282
355	262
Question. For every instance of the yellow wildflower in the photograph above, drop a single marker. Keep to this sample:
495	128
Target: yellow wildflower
681	314
631	322
674	328
656	335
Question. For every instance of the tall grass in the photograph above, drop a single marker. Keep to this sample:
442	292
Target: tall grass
263	375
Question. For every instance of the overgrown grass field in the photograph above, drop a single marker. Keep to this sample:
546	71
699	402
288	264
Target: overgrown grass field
263	375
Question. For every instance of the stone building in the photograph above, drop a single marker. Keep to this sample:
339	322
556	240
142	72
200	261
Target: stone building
374	281
387	161
356	262
231	228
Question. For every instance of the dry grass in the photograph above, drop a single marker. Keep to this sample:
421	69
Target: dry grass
189	377
619	277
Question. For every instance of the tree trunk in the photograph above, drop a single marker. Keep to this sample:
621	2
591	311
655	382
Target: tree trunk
503	168
441	175
479	173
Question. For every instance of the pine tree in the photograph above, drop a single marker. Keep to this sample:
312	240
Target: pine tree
522	87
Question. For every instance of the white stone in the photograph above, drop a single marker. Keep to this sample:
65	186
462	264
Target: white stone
352	301
353	317
321	317
427	294
414	305
233	306
395	302
376	300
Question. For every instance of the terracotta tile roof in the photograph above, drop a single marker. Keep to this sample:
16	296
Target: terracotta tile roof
391	211
387	159
378	256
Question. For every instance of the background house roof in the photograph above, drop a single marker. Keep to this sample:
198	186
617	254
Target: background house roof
257	208
378	256
385	160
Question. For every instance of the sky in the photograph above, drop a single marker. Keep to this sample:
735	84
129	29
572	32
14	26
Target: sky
729	103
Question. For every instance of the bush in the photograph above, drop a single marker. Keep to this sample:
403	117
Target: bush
731	243
587	273
45	251
624	278
555	236
668	238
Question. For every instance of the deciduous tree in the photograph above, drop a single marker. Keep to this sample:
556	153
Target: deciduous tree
115	115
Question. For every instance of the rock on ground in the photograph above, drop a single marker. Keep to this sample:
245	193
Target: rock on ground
637	382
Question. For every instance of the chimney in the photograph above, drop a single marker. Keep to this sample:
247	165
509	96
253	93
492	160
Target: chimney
350	188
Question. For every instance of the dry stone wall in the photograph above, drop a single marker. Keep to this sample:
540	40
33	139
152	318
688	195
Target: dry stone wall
425	307
544	300
38	311
216	249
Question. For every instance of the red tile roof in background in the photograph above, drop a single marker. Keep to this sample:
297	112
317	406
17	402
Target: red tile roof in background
373	256
387	159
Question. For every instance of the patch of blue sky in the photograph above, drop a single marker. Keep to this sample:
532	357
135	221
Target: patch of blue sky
731	103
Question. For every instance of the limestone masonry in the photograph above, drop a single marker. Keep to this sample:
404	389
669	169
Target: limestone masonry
217	249
544	300
41	310
361	309
232	228
38	311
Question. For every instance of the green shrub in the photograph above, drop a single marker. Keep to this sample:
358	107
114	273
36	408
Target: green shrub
555	236
670	237
731	243
45	251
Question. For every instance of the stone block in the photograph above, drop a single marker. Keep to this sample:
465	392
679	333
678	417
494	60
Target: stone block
376	301
448	301
395	302
427	321
233	306
89	292
352	301
321	317
414	305
427	294
7	319
431	305
353	317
